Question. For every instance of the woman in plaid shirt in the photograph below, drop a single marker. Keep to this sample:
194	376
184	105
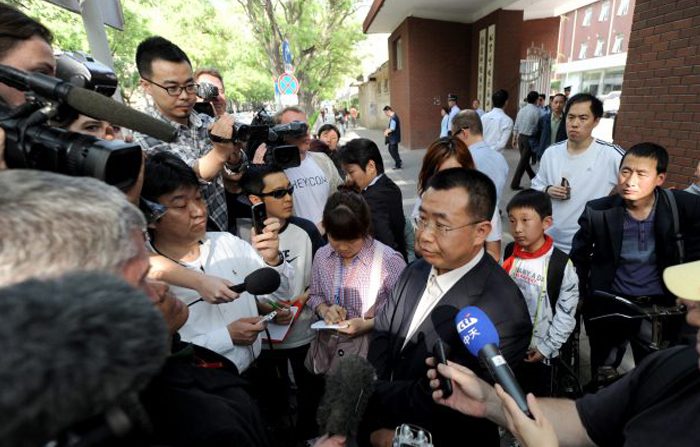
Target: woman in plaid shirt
344	289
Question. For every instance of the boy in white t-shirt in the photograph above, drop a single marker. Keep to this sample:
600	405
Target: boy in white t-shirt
549	284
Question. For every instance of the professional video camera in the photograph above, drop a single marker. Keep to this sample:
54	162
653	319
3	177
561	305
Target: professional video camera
31	143
262	130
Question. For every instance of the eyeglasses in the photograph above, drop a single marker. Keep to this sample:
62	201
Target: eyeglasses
176	90
420	224
278	193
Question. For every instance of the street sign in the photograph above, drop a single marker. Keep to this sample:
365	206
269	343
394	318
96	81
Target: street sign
287	84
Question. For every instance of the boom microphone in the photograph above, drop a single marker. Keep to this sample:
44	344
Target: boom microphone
346	397
73	348
479	335
87	102
260	282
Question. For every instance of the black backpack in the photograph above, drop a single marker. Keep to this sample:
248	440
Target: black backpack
555	272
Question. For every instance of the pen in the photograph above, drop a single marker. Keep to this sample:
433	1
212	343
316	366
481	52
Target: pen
275	305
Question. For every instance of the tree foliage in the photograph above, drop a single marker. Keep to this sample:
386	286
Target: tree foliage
322	35
242	40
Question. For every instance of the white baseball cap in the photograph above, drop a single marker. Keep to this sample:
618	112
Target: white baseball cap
684	280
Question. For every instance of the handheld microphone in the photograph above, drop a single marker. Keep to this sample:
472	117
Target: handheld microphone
260	282
346	397
74	348
480	337
87	102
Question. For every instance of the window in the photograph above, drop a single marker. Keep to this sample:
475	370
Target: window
599	45
617	44
587	17
604	12
398	55
583	50
623	8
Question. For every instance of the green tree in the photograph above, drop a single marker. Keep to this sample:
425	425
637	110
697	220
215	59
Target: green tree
322	35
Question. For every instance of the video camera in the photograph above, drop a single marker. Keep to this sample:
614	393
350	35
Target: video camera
207	92
32	143
262	130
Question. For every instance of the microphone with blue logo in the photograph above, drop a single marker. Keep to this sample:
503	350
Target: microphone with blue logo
479	335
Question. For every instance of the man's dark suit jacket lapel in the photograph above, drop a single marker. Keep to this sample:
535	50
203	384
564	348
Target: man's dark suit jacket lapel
413	292
462	293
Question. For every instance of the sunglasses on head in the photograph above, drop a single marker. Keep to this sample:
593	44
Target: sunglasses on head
278	193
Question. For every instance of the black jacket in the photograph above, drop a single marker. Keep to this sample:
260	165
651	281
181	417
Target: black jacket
192	405
402	394
596	248
388	221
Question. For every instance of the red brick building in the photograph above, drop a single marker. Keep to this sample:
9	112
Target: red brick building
468	48
436	48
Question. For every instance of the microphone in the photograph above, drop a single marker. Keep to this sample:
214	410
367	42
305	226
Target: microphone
87	102
480	337
347	394
74	348
260	282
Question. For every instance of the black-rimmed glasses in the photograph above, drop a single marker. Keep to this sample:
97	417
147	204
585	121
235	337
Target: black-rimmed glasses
176	90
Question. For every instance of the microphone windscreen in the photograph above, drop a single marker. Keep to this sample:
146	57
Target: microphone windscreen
101	107
347	394
262	281
71	348
475	329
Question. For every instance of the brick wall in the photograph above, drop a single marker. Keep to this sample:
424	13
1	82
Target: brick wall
506	71
435	62
661	93
540	33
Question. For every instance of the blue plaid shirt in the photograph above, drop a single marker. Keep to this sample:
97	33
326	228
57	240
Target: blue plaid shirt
191	144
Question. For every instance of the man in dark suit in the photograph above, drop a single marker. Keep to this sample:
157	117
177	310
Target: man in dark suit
362	161
548	126
624	243
454	273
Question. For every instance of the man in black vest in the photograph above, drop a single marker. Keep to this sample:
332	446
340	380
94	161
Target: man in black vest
392	135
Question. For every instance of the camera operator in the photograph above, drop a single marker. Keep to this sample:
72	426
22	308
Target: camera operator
213	76
24	44
202	142
315	179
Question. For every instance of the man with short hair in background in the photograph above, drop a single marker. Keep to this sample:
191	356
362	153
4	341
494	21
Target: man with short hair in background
392	135
524	129
548	125
213	76
497	125
316	177
467	127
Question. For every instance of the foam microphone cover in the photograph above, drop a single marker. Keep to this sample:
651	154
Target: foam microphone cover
101	107
347	394
71	348
260	282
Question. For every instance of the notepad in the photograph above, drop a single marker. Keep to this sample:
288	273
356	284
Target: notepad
321	325
278	332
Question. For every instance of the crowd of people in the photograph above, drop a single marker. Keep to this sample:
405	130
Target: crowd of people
359	278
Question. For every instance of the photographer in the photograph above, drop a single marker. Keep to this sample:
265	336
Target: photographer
24	44
213	76
315	179
202	142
